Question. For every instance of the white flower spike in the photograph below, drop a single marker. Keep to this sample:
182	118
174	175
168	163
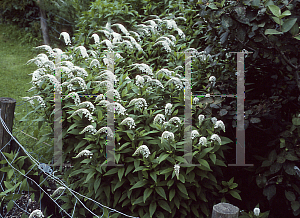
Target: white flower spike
215	137
195	134
84	153
168	109
256	211
159	118
176	169
66	37
58	191
167	135
36	213
201	118
202	141
128	121
90	129
220	123
96	38
144	150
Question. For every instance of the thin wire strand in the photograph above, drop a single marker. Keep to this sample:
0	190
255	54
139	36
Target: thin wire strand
52	177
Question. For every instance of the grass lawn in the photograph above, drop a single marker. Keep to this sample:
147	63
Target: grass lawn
15	81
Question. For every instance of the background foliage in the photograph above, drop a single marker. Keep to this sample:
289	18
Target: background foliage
272	91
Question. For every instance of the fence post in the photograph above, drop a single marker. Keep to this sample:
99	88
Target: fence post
225	210
7	106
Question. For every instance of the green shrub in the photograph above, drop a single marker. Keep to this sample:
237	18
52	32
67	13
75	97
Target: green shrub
146	185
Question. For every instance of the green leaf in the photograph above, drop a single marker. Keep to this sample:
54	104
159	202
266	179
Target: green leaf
121	173
154	176
213	158
10	205
147	193
295	31
272	32
152	208
296	121
290	195
272	156
255	3
111	171
205	151
171	194
204	163
266	163
275	10
161	192
269	191
277	20
297	37
10	173
139	184
166	171
97	184
119	184
235	194
182	188
212	6
162	157
89	176
295	205
164	205
129	168
288	24
286	13
138	200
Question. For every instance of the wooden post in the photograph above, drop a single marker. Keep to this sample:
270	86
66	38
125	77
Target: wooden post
7	106
225	210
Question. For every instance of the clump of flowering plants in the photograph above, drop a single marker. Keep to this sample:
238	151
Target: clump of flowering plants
148	125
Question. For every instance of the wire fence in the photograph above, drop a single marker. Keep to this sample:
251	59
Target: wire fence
48	171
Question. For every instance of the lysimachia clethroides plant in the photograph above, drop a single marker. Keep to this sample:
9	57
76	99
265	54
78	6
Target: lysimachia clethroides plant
148	128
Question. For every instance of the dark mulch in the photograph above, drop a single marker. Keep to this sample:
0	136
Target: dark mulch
25	203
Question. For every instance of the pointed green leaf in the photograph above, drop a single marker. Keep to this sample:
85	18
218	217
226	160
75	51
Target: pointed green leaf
10	173
161	192
10	205
162	157
204	163
171	194
121	173
164	205
152	208
147	193
89	176
235	194
111	171
153	176
97	184
139	184
213	158
182	188
129	168
138	200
